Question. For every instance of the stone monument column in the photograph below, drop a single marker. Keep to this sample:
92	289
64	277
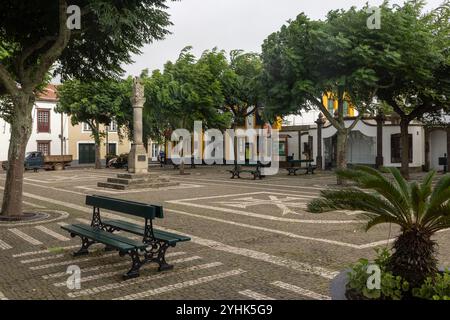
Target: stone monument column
137	159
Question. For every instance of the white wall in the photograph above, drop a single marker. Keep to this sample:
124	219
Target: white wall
52	136
369	129
4	139
306	118
418	143
438	147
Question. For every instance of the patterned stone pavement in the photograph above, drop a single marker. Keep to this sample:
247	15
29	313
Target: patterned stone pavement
250	239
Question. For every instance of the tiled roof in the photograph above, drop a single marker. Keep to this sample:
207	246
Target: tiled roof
49	93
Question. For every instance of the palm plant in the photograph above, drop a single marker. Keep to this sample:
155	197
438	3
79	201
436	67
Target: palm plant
419	209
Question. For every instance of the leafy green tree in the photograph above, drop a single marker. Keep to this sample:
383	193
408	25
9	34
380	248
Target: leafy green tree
419	72
34	38
239	80
96	104
307	60
186	91
241	85
419	209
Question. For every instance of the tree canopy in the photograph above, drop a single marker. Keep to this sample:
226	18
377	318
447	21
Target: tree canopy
37	38
98	104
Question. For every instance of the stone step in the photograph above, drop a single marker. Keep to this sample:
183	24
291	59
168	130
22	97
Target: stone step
144	185
114	186
126	181
133	176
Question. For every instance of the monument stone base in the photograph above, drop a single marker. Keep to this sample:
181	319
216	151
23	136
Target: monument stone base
130	181
137	159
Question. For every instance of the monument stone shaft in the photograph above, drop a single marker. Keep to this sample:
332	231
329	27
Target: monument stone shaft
137	160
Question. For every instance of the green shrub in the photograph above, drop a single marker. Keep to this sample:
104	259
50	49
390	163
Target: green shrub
391	288
437	288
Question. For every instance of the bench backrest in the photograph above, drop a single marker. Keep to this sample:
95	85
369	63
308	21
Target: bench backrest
138	209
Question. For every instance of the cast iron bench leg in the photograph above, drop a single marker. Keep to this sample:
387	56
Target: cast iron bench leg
85	244
157	254
136	265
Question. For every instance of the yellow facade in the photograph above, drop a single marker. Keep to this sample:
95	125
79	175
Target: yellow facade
80	140
331	104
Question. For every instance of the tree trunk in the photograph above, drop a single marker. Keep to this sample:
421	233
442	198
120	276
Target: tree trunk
404	140
341	160
414	257
21	126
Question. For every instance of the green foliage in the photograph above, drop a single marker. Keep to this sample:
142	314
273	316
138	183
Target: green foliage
111	31
306	59
392	200
96	103
210	89
419	209
241	85
391	287
418	79
187	90
435	288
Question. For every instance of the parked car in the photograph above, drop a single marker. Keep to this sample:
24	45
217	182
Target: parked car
37	160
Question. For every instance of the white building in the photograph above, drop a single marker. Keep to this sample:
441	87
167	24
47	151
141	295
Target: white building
47	128
427	145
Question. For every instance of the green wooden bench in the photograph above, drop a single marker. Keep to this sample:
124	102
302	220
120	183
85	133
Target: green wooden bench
296	165
254	169
152	248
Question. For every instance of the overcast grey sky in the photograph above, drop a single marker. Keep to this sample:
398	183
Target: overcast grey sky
232	24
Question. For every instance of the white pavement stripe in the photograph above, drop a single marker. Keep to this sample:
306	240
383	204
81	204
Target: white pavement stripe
50	250
62	224
65	263
4	245
262	256
122	284
248	226
87	210
42	259
107	266
182	285
25	237
263	216
52	233
255	184
2	296
255	295
301	291
117	273
257	255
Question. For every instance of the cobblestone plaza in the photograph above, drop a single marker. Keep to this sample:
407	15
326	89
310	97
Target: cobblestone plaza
250	239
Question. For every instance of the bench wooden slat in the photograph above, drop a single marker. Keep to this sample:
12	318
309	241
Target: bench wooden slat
168	237
146	211
109	239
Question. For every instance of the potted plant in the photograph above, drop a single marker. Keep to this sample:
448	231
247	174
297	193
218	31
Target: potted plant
419	209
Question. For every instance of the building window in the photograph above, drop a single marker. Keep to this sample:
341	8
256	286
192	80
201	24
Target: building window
112	149
44	147
112	126
331	106
346	113
86	127
282	146
396	148
43	121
